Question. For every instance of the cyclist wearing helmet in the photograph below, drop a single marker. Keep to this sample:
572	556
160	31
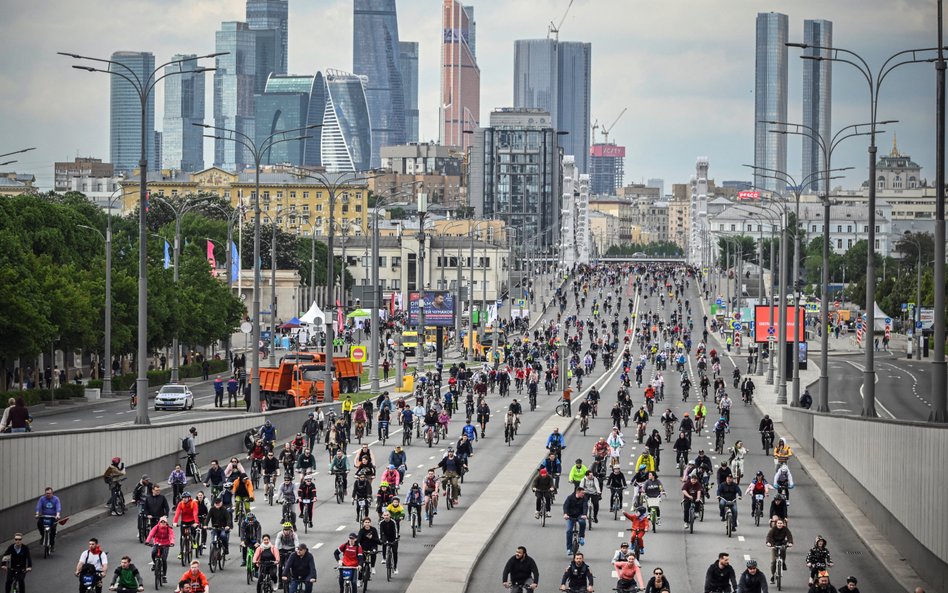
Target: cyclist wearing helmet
414	500
307	498
391	476
186	514
287	540
384	496
114	474
220	522
249	536
361	488
752	579
778	509
268	434
639	526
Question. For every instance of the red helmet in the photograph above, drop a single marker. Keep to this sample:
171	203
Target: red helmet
116	460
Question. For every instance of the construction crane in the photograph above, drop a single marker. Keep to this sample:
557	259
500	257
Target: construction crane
606	130
595	127
555	29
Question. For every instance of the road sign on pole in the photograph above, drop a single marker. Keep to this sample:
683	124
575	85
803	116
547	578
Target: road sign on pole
357	354
888	321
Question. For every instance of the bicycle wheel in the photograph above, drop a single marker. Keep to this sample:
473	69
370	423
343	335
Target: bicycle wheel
340	493
388	562
215	552
249	560
414	526
778	577
574	544
270	496
728	527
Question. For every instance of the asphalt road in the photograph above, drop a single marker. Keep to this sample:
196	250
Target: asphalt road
332	521
684	557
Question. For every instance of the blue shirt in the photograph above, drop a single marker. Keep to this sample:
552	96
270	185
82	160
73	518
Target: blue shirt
49	507
469	431
554	438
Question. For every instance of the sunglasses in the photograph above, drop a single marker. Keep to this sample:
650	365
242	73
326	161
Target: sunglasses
18	539
658	573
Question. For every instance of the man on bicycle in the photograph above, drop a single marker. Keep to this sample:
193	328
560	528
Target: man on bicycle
728	494
306	495
692	494
48	509
451	468
126	578
350	557
555	443
779	536
766	429
340	466
388	537
521	571
575	510
616	483
578	576
220	521
186	513
271	469
544	487
250	532
414	502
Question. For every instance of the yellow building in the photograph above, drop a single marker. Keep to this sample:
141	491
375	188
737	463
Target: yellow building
14	184
299	204
621	208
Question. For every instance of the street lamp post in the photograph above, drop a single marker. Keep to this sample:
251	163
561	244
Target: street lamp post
874	82
257	152
6	154
916	314
143	87
422	212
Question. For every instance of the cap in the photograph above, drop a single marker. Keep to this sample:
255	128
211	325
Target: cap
352	534
543	472
145	477
851	580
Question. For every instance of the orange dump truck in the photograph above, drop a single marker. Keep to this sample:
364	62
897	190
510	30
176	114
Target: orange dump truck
300	378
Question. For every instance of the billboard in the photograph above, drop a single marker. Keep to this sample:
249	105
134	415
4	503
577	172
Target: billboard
748	195
607	150
439	308
762	323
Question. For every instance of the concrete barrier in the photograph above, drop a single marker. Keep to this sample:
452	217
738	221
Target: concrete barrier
72	461
895	473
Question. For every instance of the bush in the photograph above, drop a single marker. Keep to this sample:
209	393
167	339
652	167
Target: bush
35	396
158	377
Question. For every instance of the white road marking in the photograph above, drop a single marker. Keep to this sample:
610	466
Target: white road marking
76	420
422	464
97	411
340	528
51	423
746	557
318	545
740	538
97	417
621	534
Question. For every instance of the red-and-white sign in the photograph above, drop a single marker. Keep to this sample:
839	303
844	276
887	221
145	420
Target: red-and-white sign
607	150
762	322
748	195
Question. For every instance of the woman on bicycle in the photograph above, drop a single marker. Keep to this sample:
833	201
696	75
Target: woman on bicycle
266	558
654	490
414	501
615	443
162	536
736	459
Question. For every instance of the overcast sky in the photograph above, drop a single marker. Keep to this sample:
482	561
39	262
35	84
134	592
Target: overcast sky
684	68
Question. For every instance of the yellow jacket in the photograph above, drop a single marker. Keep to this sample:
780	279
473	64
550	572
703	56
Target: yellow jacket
647	460
347	405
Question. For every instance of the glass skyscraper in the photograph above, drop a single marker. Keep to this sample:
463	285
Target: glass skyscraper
375	54
557	77
233	93
408	64
284	105
344	142
273	15
125	118
817	93
770	150
182	144
460	75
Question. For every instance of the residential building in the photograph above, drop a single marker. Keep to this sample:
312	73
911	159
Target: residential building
82	167
297	203
234	81
619	207
271	15
283	105
679	221
770	95
515	173
14	184
604	231
656	221
375	55
700	190
125	118
422	168
408	65
569	241
606	168
817	96
556	77
182	143
460	75
658	184
101	191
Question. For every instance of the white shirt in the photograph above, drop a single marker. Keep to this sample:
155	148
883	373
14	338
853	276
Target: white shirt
98	561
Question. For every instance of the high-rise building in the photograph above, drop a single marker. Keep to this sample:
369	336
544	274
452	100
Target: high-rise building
658	184
273	15
460	74
557	77
817	93
81	167
125	119
266	55
284	105
770	150
233	93
375	54
408	64
344	142
606	169
525	196
182	144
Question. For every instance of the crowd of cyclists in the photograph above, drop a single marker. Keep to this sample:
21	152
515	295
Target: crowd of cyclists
637	321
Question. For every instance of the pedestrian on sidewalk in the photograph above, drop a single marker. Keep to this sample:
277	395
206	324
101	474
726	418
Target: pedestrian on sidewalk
386	365
205	370
218	392
232	388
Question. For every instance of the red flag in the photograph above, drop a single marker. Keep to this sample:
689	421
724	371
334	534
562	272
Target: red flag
210	257
339	314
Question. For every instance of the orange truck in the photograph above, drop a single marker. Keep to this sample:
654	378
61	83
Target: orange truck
300	378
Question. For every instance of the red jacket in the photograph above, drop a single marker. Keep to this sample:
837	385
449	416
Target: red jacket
187	512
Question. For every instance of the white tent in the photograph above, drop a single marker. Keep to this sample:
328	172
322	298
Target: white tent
314	315
879	321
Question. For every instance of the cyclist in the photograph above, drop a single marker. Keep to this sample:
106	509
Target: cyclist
299	571
783	480
687	426
639	526
575	510
752	580
194	577
177	480
615	443
414	501
782	453
692	494
645	459
310	428
600	449
125	579
364	461
288	455
340	466
590	484
668	418
17	562
242	490
483	417
48	510
543	486
577	473
736	459
268	434
654	490
271	469
700	412
399	459
728	494
629	575
616	482
578	576
249	536
143	489
287	540
758	487
724	404
186	513
555	443
641	416
384	496
818	558
469	431
721	427
266	558
766	428
93	561
521	570
215	477
432	489
306	496
778	509
388	537
720	576
220	521
392	476
287	495
349	555
451	468
368	538
779	535
616	415
397	511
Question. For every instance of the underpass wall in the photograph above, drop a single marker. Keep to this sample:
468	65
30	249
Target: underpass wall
73	461
895	471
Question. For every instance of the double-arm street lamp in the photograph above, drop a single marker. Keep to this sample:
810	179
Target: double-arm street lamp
6	154
874	80
143	86
257	151
827	146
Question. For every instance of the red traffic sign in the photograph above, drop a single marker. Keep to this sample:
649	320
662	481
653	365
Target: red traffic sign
357	354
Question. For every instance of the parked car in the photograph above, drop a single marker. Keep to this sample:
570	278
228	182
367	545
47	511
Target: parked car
174	397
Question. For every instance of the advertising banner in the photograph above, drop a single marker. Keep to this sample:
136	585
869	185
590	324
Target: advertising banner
762	323
439	308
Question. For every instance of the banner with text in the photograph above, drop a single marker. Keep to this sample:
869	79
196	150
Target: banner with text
439	308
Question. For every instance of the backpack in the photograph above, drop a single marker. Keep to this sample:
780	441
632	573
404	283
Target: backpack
185	442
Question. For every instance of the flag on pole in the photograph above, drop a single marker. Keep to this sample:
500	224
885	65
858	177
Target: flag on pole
167	254
210	257
339	314
234	262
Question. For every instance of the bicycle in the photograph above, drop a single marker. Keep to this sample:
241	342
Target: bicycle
615	502
448	488
241	508
266	583
574	541
255	473
346	572
340	486
637	543
187	537
730	522
365	569
533	401
160	566
584	424
652	505
669	428
695	511
546	503
48	522
508	434
415	517
362	509
383	431
306	513
781	554
248	560
191	468
116	499
268	484
17	575
767	436
216	560
432	436
719	441
757	508
359	431
406	435
389	553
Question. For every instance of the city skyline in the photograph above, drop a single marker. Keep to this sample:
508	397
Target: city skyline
686	95
771	95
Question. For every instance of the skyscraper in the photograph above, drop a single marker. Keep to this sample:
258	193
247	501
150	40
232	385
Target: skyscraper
233	93
344	142
770	150
817	92
182	144
284	105
274	15
375	55
460	74
125	120
556	76
606	169
408	64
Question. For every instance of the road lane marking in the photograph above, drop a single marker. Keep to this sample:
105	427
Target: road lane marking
318	545
621	533
740	538
340	528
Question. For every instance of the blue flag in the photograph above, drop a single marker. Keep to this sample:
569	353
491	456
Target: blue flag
234	262
167	255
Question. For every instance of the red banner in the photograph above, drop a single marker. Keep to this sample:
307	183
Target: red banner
762	323
748	195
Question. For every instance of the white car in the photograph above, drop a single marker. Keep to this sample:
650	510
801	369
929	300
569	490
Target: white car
171	397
